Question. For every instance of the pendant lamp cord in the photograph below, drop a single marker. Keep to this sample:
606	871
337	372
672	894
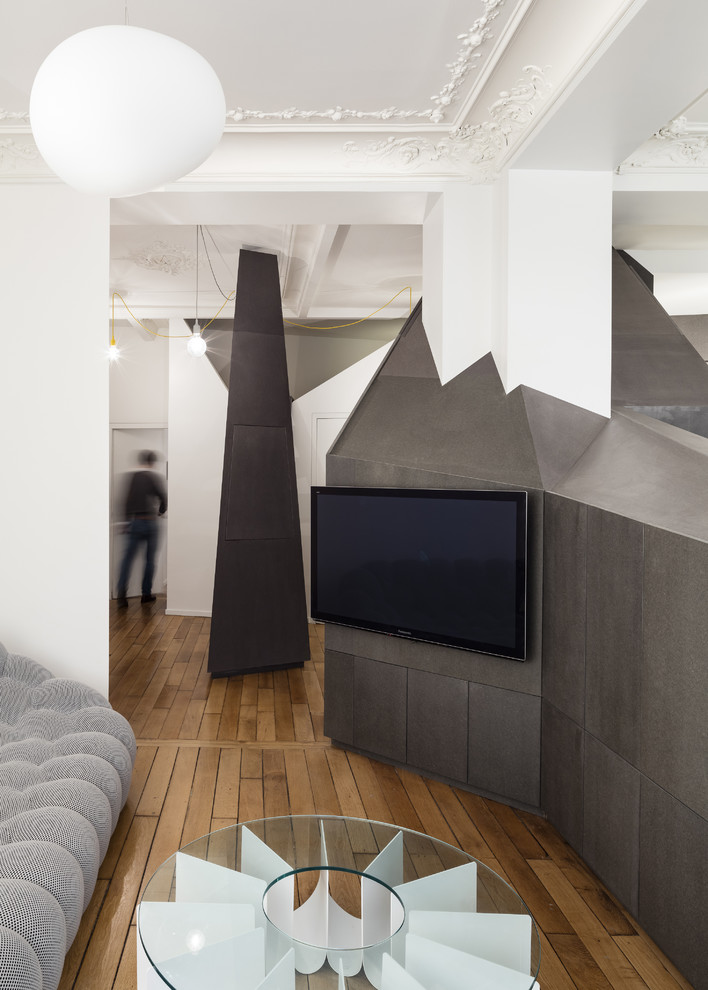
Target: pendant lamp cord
196	300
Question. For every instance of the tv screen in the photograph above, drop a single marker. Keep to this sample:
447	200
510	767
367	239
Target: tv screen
442	566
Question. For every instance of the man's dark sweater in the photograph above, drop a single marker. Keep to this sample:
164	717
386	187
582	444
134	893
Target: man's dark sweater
146	496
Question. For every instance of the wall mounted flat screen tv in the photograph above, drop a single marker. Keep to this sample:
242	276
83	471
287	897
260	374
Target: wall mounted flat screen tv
439	565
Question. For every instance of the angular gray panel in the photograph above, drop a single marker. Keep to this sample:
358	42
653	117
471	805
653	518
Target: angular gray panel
469	427
674	723
635	310
562	757
658	370
257	304
645	470
339	691
258	509
340	471
259	605
219	337
652	362
611	821
673	893
411	356
615	565
561	433
437	724
380	709
564	605
695	330
260	393
504	744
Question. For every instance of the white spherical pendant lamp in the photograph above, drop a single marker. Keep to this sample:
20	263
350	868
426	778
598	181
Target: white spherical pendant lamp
119	110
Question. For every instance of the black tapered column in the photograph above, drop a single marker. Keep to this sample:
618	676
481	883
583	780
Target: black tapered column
259	614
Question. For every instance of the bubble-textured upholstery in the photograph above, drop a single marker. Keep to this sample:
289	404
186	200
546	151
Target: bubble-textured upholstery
66	760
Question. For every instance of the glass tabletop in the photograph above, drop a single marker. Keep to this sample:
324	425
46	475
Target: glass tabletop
314	902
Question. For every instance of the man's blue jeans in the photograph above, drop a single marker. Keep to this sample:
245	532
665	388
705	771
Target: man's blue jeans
140	531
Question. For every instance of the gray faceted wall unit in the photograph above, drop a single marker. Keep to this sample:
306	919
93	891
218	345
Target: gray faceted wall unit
259	616
608	711
625	751
461	707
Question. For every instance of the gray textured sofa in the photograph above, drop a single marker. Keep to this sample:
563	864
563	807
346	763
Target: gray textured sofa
66	759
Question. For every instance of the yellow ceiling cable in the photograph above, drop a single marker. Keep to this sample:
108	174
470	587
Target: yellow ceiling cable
340	326
306	326
155	333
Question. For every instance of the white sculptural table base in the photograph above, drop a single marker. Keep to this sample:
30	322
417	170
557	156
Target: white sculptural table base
316	902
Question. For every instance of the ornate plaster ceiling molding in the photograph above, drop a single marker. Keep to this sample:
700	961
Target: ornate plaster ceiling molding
18	158
160	256
13	118
679	145
468	57
475	150
465	60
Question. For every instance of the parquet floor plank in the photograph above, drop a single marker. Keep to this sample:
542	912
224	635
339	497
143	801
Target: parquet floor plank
227	784
347	791
201	800
323	790
302	800
217	694
102	957
228	727
652	965
158	781
75	955
579	963
171	822
372	796
467	835
275	785
431	818
143	764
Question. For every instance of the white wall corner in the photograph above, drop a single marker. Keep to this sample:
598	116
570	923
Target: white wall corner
554	326
196	430
458	263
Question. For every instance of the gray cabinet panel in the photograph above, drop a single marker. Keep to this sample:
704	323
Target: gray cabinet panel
611	821
437	724
504	744
614	631
380	709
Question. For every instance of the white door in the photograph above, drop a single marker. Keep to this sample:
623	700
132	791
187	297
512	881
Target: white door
125	446
326	428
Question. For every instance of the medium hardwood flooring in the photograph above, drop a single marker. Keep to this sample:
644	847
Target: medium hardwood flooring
215	752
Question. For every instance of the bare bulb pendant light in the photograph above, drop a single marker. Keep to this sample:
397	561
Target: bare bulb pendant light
196	345
119	110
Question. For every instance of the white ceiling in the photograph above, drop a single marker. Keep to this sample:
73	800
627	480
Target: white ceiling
405	89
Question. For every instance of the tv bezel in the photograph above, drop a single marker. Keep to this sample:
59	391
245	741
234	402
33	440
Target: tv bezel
517	651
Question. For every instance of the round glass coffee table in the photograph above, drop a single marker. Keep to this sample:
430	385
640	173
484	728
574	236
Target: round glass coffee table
314	902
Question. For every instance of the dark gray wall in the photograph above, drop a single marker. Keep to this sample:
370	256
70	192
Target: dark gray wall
259	615
625	734
604	727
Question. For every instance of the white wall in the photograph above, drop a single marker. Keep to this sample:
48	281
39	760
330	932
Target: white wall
458	259
555	327
139	378
54	255
197	418
335	399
